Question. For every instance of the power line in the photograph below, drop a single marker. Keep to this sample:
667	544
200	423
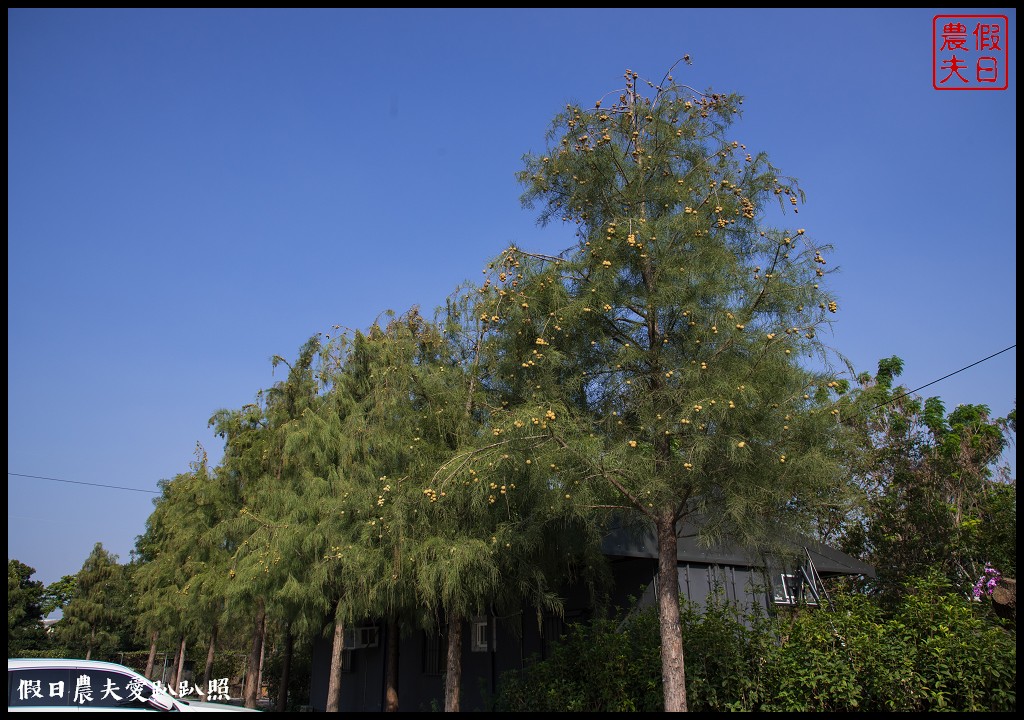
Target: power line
911	392
78	482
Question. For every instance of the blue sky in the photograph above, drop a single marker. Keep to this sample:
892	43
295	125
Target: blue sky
193	191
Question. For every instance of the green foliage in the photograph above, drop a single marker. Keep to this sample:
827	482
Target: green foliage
59	593
668	341
99	618
614	666
181	559
833	660
723	655
962	660
25	598
934	494
299	672
934	651
996	535
669	363
600	667
425	471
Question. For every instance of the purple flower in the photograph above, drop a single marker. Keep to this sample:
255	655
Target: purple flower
986	585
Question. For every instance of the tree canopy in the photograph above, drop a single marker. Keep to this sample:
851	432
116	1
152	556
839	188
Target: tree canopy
668	367
671	362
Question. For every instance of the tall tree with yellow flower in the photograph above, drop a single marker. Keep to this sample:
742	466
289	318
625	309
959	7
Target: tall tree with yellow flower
669	363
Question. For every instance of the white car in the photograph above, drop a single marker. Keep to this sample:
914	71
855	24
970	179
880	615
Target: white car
58	685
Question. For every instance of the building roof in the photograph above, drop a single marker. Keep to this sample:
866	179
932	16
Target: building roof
642	543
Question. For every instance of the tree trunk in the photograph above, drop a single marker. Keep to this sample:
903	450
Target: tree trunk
174	663
252	671
208	671
180	675
391	674
286	666
263	653
673	672
92	639
337	649
152	654
453	675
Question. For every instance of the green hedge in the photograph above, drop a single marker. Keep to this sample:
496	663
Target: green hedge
935	651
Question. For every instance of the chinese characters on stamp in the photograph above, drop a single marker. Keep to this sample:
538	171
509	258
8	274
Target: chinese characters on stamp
970	52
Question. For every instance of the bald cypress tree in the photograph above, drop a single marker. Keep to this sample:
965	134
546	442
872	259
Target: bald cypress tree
494	543
669	365
92	617
182	559
332	521
248	532
381	381
267	583
406	398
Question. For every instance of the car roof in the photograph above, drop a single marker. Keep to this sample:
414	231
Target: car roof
26	663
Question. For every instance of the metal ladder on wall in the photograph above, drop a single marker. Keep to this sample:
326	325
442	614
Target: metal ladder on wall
812	580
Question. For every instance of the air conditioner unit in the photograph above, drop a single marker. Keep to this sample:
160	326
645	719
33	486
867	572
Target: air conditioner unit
361	637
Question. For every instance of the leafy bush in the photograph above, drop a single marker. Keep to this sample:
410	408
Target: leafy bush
610	666
722	651
600	667
834	660
963	659
935	650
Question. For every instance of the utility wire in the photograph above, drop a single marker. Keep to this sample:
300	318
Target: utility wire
887	402
911	392
78	482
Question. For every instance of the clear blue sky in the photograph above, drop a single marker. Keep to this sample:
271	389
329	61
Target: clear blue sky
193	191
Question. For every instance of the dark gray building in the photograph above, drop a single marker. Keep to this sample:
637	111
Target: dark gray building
493	645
